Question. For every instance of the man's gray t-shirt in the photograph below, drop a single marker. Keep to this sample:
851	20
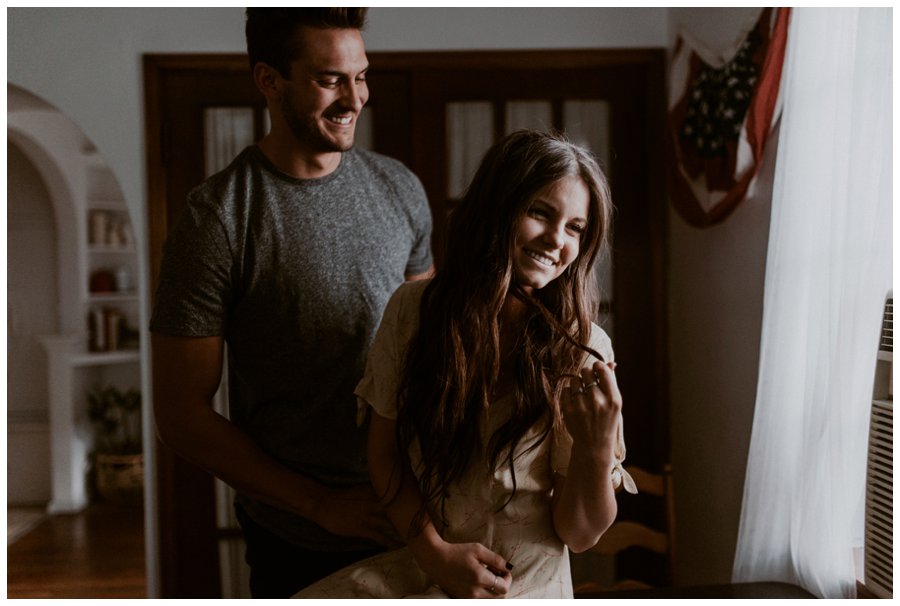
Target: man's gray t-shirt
295	274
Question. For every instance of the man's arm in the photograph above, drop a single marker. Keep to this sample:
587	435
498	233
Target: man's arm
186	375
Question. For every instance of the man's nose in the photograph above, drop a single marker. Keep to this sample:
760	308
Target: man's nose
355	94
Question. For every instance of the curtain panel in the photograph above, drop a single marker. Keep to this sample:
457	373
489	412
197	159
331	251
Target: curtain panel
828	269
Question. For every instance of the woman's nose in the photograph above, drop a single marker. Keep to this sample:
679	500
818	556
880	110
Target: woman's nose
554	235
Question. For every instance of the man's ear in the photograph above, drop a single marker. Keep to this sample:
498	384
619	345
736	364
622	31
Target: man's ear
268	81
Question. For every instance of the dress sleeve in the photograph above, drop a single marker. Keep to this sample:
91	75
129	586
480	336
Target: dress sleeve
562	442
378	387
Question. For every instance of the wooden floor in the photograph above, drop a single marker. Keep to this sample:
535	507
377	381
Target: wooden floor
98	553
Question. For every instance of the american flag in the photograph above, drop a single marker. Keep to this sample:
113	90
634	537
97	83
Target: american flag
719	118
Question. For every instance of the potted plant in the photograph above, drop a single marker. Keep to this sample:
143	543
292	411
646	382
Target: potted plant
118	448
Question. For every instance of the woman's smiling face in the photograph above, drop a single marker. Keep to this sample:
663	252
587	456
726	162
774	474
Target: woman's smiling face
548	235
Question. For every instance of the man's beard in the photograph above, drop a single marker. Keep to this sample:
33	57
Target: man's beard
306	130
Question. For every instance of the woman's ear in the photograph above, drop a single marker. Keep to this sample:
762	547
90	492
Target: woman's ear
268	81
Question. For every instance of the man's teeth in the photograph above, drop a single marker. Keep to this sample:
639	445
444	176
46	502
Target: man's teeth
343	121
542	259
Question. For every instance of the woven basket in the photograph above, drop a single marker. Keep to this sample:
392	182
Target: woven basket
120	478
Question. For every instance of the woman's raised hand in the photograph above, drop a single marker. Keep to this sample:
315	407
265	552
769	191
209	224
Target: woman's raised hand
591	405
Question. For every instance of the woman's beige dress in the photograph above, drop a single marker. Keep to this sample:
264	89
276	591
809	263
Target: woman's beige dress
522	531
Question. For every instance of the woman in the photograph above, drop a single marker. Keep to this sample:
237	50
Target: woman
495	437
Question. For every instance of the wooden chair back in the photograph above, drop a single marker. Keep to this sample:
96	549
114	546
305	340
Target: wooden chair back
628	534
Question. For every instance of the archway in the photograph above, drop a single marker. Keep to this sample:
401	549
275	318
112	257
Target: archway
77	185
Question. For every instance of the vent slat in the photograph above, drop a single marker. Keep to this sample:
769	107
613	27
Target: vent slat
881	451
879	523
878	538
881	470
880	570
878	485
881	506
887	327
880	477
880	565
881	425
882	512
878	541
883	574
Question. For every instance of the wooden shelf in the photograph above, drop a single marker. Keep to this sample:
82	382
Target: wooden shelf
107	297
124	356
111	205
118	250
886	356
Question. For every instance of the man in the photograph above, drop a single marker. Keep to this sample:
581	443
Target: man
289	255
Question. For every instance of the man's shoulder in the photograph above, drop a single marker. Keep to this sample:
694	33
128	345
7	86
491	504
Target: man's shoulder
385	167
373	159
229	183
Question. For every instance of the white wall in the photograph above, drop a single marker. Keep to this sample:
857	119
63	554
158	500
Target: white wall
32	307
716	278
87	62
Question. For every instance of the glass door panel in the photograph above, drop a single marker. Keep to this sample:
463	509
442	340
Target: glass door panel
587	123
470	132
537	115
227	130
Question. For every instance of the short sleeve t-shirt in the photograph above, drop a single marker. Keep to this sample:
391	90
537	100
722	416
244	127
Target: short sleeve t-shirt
295	275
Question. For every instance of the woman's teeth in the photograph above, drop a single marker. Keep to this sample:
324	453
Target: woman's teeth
542	259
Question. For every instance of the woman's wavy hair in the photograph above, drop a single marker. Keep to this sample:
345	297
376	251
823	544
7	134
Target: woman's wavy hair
453	362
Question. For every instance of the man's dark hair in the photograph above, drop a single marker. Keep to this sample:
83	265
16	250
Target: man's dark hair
270	31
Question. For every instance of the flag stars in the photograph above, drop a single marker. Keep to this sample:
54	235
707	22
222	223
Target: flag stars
719	100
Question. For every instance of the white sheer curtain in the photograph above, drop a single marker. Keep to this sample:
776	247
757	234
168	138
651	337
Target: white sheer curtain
828	269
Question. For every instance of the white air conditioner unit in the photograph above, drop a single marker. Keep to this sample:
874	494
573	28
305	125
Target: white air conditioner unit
879	537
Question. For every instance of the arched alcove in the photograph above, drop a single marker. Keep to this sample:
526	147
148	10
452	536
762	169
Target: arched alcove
32	310
82	189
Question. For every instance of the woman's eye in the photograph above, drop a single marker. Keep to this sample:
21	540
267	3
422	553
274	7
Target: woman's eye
576	228
538	212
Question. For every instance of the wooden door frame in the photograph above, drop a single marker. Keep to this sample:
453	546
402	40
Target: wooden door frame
646	63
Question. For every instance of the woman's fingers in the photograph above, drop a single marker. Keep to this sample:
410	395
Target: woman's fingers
495	585
591	403
499	578
601	376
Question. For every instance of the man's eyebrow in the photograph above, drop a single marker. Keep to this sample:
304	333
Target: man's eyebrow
335	72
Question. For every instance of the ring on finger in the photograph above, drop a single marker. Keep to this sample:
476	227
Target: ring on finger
494	584
588	386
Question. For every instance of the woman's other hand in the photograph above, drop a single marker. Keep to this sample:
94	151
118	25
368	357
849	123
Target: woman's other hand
464	570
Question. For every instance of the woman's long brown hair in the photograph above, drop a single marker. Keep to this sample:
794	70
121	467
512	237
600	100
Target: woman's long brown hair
453	362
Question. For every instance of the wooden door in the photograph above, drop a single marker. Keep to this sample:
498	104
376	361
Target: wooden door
415	99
